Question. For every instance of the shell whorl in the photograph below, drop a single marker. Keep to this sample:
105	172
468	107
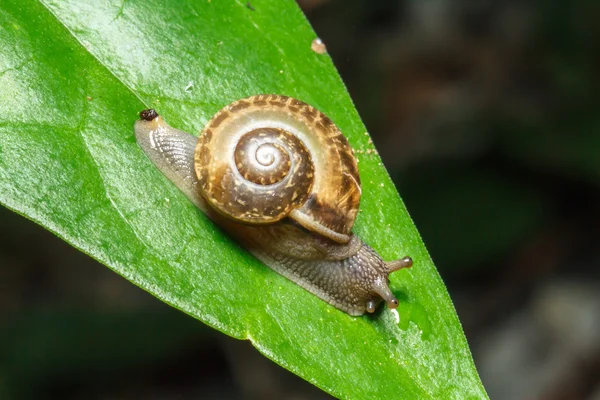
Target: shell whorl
269	174
266	157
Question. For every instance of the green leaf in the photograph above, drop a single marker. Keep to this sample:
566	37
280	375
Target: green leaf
74	74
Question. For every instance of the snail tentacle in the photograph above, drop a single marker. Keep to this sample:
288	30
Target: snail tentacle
397	265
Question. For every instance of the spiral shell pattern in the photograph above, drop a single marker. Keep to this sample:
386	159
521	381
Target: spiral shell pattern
271	174
262	157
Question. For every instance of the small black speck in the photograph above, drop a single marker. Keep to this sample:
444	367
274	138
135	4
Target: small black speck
148	115
249	6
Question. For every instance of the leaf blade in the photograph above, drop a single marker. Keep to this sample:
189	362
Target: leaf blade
79	173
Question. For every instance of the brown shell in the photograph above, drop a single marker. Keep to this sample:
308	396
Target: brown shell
306	166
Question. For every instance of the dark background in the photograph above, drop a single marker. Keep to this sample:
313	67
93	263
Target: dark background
485	114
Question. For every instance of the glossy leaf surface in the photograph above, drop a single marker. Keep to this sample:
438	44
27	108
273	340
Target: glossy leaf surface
73	76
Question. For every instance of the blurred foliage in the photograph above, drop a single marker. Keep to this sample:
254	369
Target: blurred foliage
90	348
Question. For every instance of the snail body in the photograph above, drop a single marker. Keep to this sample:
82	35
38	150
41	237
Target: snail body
278	176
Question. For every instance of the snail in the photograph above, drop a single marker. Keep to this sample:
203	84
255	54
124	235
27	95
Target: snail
280	178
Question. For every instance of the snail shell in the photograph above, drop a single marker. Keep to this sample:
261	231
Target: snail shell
265	158
279	177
